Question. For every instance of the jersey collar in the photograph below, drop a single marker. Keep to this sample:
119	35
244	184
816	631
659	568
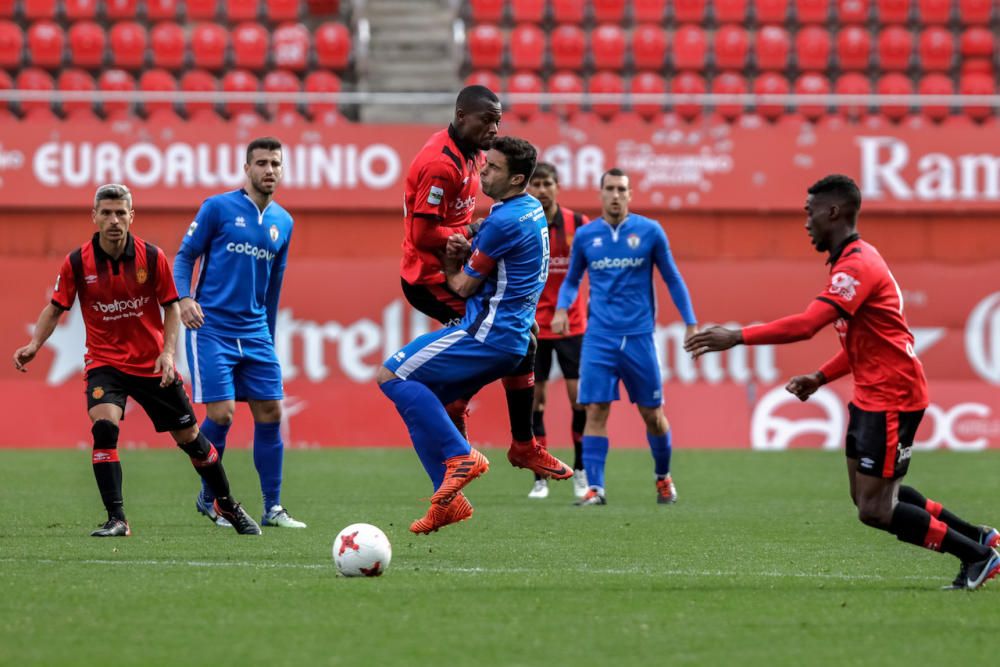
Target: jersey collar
465	148
99	251
839	250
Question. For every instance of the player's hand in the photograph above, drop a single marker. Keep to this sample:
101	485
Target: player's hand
23	356
690	330
473	228
712	339
804	386
560	322
191	315
458	247
165	366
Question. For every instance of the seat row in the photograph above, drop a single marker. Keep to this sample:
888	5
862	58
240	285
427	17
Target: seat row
159	10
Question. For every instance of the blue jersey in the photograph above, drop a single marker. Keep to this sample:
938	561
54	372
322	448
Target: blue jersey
243	255
620	261
511	252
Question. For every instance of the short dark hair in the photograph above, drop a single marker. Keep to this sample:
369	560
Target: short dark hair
614	171
267	143
842	188
472	98
546	170
521	155
111	191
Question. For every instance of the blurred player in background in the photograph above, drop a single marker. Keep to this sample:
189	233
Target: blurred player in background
618	250
242	239
563	223
122	281
864	303
440	197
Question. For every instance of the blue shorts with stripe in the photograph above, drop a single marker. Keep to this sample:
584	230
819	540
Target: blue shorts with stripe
606	360
451	363
224	368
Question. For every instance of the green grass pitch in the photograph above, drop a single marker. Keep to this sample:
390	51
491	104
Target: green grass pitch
762	562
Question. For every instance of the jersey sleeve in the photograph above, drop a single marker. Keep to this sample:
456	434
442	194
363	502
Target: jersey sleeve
274	284
166	291
672	277
490	244
194	244
849	286
437	185
64	293
570	287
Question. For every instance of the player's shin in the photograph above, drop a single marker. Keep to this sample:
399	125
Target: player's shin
107	467
907	494
595	454
661	449
915	525
520	391
579	421
268	458
207	462
216	434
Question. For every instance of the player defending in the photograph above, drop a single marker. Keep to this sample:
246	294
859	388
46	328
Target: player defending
440	197
122	282
619	250
242	239
502	279
563	224
864	303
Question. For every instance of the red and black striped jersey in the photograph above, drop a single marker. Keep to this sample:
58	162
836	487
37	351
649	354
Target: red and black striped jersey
561	230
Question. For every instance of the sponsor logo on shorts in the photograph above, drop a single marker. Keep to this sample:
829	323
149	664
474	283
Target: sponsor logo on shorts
903	453
617	263
252	250
866	463
97	393
843	285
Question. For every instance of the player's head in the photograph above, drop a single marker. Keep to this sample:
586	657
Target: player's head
544	184
832	208
113	212
264	166
477	116
509	163
616	193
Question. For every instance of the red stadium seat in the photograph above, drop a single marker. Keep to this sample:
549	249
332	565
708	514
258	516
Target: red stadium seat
936	49
120	10
894	84
936	84
202	10
568	45
690	11
161	10
485	78
854	48
812	84
281	81
485	47
323	7
11	45
527	47
773	45
687	83
934	12
242	10
977	83
45	44
812	49
250	46
729	83
895	48
732	46
527	11
853	83
282	10
892	11
731	11
689	47
169	46
852	12
976	43
487	11
647	83
649	11
606	83
321	81
608	11
80	10
649	47
809	12
568	11
157	81
771	83
86	44
332	45
290	46
975	12
524	82
239	81
199	81
119	81
208	46
607	45
35	10
34	78
128	45
771	11
565	82
76	80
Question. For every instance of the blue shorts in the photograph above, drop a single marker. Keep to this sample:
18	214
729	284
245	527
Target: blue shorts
224	368
631	359
451	363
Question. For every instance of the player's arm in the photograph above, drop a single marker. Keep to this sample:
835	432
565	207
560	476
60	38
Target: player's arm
171	327
465	281
47	321
570	288
274	287
671	275
435	188
194	245
804	386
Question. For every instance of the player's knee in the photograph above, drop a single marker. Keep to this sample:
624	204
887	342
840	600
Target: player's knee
221	413
383	375
185	435
105	433
873	514
267	412
597	414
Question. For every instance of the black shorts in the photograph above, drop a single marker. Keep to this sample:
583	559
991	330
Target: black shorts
881	441
567	350
435	301
168	407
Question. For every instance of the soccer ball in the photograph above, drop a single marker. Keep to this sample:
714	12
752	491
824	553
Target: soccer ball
361	550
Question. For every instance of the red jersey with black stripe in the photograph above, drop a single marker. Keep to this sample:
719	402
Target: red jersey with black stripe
562	227
878	344
120	300
439	200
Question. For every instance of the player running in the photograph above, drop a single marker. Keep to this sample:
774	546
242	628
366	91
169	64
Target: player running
864	303
618	250
122	281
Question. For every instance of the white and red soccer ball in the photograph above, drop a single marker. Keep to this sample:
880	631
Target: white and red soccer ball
361	550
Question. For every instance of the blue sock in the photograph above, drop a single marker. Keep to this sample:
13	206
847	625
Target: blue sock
216	434
434	436
595	453
660	446
268	456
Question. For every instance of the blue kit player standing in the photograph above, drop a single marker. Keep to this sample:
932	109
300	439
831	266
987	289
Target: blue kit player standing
502	279
619	250
242	239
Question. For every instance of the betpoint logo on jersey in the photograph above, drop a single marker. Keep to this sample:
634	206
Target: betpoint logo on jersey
121	305
982	338
617	263
462	204
252	250
843	285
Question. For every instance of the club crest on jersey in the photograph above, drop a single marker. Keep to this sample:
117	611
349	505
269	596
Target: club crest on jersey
274	233
97	393
240	221
633	241
141	275
843	285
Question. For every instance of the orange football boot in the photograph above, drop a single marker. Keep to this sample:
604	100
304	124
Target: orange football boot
460	470
537	459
